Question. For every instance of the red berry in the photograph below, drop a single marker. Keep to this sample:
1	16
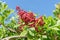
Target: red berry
17	8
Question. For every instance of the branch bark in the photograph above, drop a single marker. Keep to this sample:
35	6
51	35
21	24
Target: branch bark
11	37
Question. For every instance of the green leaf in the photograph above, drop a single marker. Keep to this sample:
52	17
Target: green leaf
55	28
39	39
44	36
32	29
0	4
23	33
16	26
1	18
7	12
31	33
3	6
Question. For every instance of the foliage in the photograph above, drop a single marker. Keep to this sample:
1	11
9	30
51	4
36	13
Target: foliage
27	26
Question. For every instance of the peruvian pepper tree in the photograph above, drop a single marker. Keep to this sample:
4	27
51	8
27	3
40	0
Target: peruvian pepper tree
28	26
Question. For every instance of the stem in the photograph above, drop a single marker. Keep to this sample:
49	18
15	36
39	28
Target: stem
41	37
48	36
55	36
10	29
11	37
52	36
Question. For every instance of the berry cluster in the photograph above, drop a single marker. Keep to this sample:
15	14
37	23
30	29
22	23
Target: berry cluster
29	18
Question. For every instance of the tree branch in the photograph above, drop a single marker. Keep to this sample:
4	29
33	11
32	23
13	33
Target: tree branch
11	37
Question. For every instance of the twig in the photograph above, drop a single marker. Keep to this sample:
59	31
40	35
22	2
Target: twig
11	29
11	37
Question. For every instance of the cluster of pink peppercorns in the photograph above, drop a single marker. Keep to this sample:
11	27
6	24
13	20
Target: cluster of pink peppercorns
29	17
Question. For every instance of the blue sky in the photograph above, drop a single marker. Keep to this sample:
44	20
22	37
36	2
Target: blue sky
40	7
